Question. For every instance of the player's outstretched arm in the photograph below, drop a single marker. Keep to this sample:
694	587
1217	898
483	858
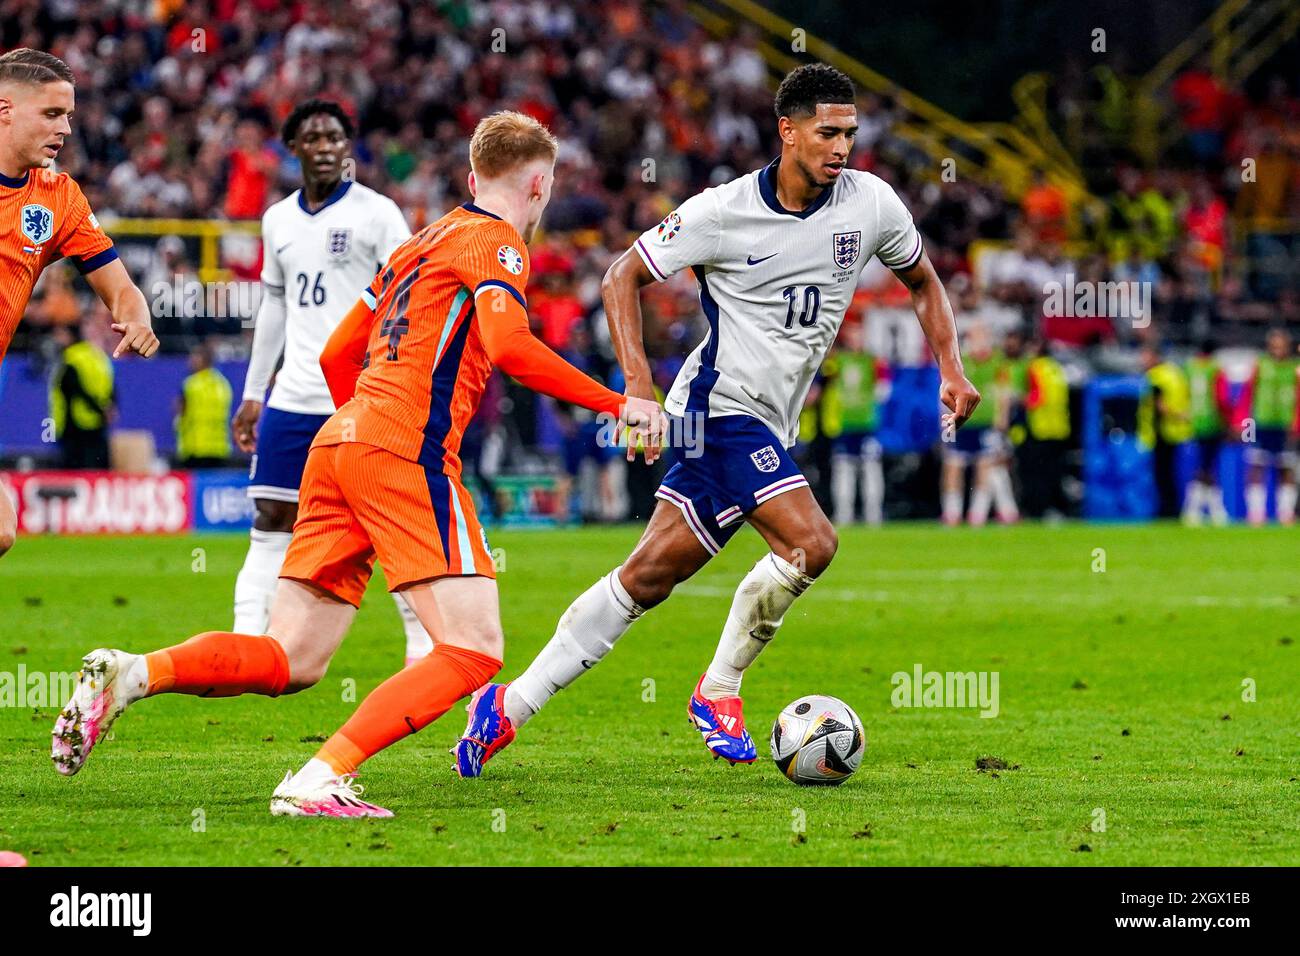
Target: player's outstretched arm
344	354
126	303
621	292
934	312
503	324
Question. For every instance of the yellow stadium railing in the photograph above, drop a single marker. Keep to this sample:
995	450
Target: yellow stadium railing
995	152
1239	37
209	233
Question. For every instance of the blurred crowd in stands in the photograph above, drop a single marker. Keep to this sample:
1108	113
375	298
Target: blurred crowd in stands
179	106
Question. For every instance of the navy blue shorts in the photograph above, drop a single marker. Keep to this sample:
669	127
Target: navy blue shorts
283	440
972	441
858	444
738	465
1272	447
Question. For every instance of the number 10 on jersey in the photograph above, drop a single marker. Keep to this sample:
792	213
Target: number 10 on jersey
810	300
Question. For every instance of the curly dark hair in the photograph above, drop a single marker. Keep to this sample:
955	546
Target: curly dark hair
289	131
806	86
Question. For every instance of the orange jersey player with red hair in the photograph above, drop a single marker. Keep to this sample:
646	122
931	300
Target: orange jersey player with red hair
44	216
406	368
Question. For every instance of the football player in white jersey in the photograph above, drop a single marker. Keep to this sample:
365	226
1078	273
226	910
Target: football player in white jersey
776	254
321	246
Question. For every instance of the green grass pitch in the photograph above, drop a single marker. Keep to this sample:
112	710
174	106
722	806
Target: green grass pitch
1122	720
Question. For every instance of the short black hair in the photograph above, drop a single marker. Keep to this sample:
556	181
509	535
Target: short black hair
289	131
806	86
34	67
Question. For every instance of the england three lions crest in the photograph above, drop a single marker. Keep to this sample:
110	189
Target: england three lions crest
766	459
339	243
845	247
37	223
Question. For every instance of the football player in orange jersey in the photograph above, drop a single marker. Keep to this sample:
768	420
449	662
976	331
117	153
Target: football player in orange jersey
45	217
406	368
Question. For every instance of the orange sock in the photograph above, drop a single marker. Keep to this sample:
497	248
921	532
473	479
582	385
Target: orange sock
407	702
219	664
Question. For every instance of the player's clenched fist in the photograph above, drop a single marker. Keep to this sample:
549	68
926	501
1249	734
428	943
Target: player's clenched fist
244	425
960	397
645	424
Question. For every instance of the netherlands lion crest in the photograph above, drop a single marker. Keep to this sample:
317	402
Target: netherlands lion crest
766	459
338	243
38	223
846	246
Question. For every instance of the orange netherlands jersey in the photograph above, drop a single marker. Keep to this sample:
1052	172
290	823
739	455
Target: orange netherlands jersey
426	365
43	217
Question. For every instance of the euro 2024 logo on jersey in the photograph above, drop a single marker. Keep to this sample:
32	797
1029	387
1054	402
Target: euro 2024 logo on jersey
38	223
338	242
766	459
846	246
510	260
669	228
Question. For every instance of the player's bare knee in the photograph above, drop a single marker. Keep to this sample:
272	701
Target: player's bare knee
648	580
305	670
275	516
817	551
487	641
7	539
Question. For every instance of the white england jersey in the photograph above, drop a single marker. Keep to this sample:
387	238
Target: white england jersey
774	285
322	262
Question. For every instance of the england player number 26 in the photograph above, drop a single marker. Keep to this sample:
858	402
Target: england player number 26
317	291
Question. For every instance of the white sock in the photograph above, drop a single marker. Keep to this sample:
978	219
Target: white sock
314	771
1194	501
134	677
873	485
756	612
979	503
1256	503
418	642
585	634
1218	512
843	476
257	581
952	507
1286	498
1004	497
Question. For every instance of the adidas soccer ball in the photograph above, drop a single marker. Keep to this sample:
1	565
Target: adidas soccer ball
818	740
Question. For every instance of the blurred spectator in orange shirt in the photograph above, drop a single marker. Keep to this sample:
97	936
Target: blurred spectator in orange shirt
252	167
1045	209
1202	103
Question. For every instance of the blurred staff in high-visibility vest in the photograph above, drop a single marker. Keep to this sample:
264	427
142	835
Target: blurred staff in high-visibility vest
1047	431
1165	424
82	399
856	385
1211	413
1271	401
202	411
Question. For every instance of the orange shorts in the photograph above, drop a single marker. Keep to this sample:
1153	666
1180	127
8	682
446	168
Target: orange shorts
359	502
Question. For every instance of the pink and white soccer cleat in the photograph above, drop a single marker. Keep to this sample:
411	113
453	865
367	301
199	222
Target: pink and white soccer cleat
87	717
334	797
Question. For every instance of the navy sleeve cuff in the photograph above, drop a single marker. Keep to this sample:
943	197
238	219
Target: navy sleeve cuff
97	261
